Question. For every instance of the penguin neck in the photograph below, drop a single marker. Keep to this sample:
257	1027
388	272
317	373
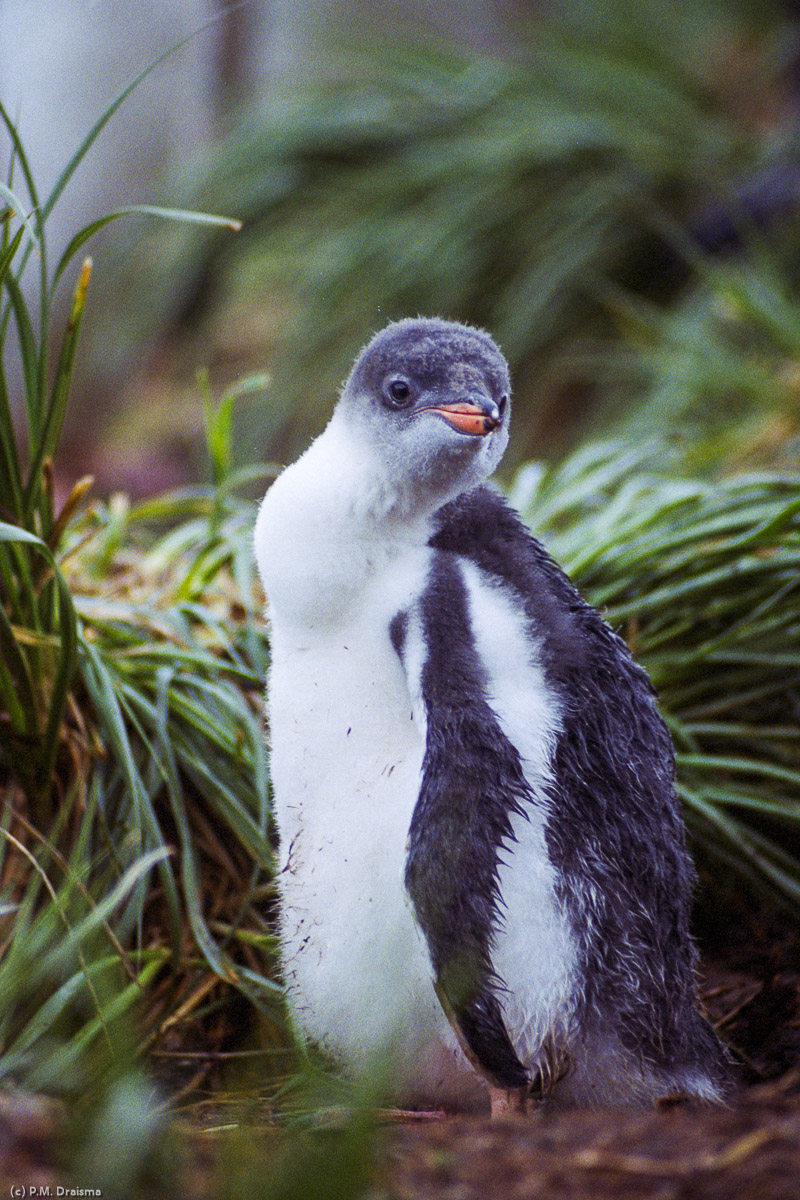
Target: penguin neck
330	527
380	500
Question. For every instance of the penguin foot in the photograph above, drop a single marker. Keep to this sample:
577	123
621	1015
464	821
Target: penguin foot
509	1102
411	1116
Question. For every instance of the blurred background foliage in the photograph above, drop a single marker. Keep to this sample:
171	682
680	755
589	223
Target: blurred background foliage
615	199
614	191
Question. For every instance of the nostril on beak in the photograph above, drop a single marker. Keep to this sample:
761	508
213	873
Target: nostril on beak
493	416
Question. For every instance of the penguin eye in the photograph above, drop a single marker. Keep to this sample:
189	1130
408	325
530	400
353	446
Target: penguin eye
502	403
398	393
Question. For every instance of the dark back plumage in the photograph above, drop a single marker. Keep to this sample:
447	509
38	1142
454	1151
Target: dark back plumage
614	833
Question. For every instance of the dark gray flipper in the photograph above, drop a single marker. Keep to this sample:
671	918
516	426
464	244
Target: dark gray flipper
472	784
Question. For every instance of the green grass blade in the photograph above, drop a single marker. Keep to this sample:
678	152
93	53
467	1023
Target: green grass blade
101	686
44	747
185	216
29	354
50	1072
8	254
50	429
192	885
17	690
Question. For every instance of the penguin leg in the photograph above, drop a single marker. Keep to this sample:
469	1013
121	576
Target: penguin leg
509	1102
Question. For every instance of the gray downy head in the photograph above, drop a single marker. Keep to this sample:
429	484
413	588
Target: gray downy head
431	400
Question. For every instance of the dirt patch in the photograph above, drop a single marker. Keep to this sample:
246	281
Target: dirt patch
750	1150
751	989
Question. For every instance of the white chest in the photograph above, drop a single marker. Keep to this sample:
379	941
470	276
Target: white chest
347	747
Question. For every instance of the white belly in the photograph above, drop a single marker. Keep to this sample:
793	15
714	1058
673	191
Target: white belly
346	763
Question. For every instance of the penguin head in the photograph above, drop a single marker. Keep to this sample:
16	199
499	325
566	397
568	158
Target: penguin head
431	400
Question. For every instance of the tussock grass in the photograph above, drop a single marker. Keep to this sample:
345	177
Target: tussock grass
161	777
135	861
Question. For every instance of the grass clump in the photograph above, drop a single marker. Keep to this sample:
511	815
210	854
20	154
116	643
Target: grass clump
135	861
161	774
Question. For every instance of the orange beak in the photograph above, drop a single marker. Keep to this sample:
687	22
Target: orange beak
468	418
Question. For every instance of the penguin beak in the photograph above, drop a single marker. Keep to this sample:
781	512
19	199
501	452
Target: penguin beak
474	416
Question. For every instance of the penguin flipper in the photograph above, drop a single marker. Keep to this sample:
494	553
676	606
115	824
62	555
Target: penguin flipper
472	784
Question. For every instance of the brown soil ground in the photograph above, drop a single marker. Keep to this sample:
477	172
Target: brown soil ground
751	1150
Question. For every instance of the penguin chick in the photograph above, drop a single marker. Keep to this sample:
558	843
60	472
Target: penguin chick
483	871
